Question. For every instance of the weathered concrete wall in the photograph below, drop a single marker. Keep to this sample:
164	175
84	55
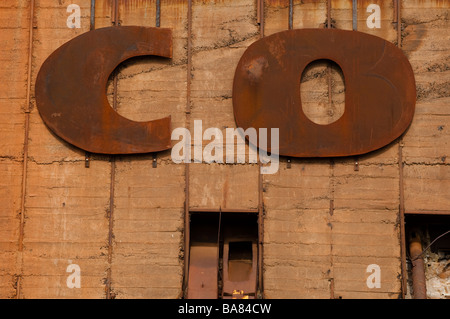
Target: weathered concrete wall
426	146
122	221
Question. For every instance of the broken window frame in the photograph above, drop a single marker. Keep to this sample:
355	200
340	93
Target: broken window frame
256	252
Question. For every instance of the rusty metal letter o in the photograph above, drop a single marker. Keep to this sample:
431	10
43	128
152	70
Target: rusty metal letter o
380	92
71	91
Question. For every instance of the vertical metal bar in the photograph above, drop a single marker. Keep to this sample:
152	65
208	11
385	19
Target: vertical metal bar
330	225
108	286
258	11
401	181
92	26
291	14
329	14
330	99
187	234
395	5
186	165
402	220
291	26
260	231
115	15
87	155
189	62
218	251
331	209
158	13
399	24
109	294
355	28
27	123
260	190
157	24
25	148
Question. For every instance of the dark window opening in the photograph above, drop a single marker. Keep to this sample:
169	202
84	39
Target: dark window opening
223	255
428	256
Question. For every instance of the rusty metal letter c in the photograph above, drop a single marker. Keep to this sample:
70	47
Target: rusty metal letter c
71	91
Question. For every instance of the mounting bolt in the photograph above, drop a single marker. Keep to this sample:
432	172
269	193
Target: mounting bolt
155	162
87	158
